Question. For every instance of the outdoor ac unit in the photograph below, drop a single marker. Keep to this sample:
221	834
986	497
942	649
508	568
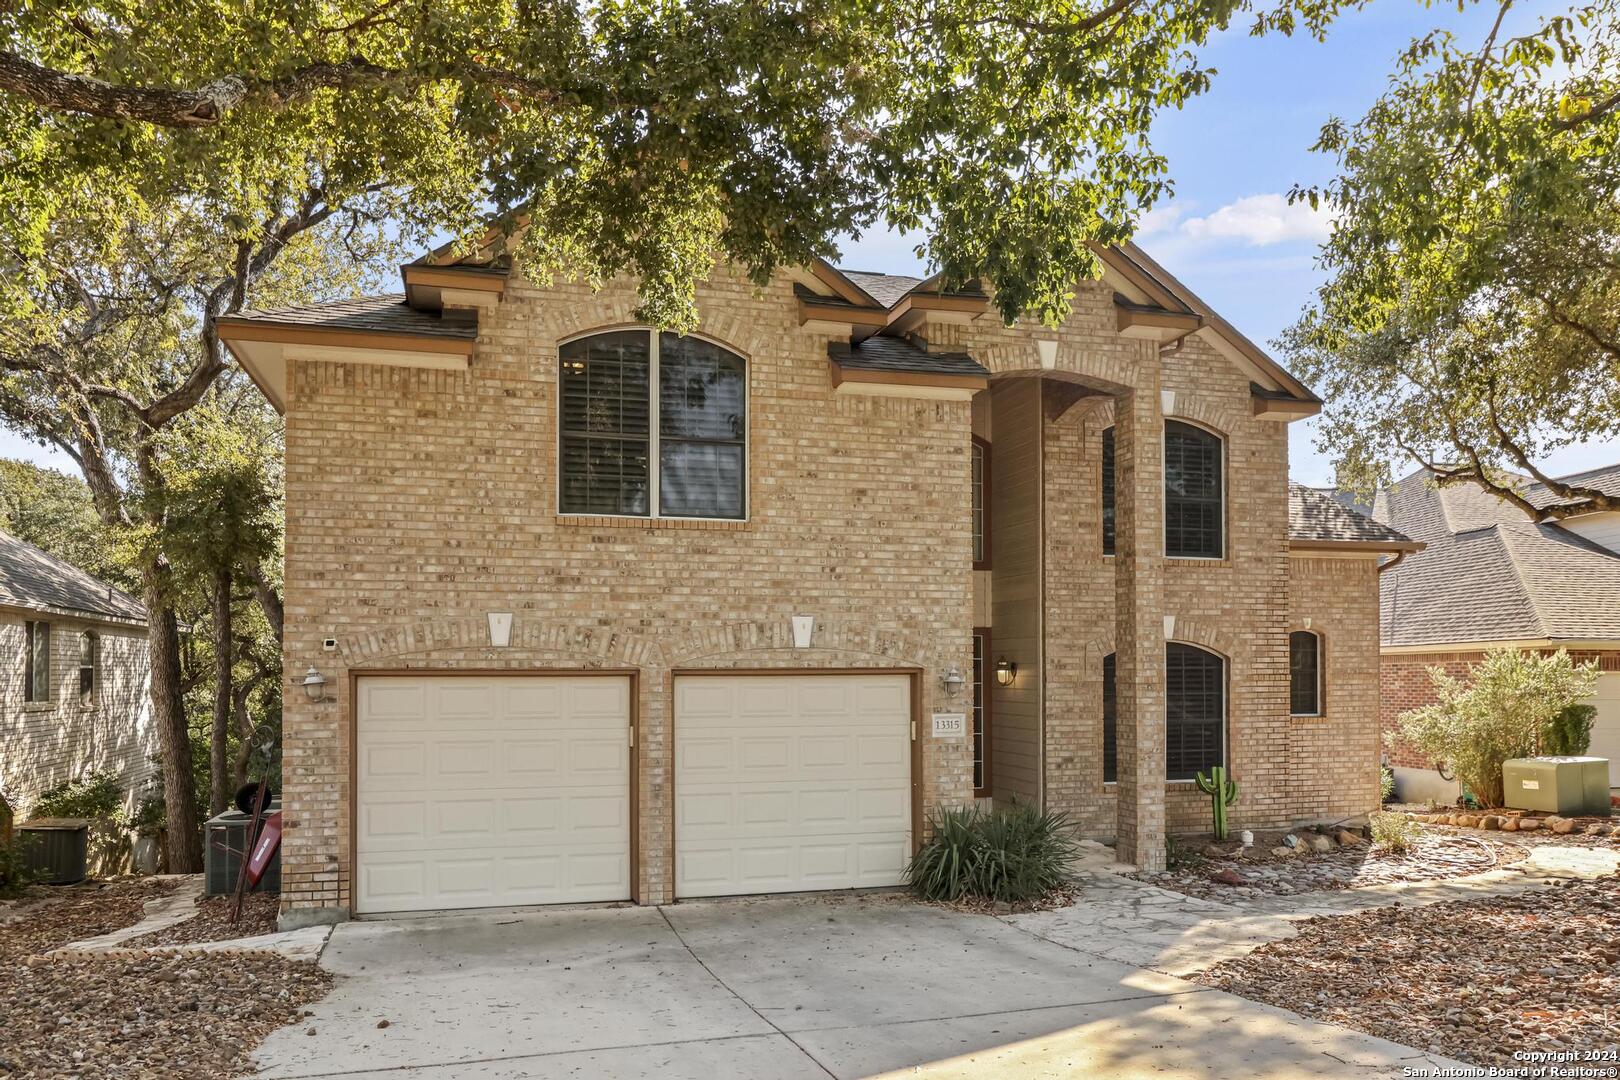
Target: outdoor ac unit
1569	786
226	836
57	848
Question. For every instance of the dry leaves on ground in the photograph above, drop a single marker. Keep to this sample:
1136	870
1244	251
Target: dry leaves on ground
212	922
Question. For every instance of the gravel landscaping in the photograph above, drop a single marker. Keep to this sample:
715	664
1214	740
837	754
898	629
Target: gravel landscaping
133	1014
1477	980
212	922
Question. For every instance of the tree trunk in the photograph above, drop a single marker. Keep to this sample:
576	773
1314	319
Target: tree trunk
183	837
269	599
219	777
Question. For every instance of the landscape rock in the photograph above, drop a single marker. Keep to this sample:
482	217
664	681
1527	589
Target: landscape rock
1561	825
1510	824
1467	821
1490	821
1228	876
1529	824
1346	838
1282	852
1320	844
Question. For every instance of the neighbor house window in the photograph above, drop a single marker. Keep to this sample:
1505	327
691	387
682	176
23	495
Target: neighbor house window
89	666
37	666
1108	492
652	425
1305	673
981	504
1195	710
981	712
1194	489
1110	713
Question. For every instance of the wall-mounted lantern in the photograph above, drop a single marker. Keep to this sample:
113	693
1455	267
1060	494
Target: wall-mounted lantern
314	685
952	681
1006	672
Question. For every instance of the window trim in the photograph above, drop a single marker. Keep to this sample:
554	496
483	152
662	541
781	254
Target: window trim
984	680
30	633
982	445
1164	539
1321	680
654	422
1226	705
90	696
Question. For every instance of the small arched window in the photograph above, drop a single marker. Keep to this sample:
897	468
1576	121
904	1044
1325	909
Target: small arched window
1194	712
1194	491
89	666
1305	673
652	425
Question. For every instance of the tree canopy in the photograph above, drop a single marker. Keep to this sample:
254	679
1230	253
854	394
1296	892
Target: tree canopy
1471	320
635	137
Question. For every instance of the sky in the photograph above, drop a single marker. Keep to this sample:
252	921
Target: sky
1234	153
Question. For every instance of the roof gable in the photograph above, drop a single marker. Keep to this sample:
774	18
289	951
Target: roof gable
36	581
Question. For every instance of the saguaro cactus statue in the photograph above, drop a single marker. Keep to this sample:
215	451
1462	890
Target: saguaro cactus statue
1222	793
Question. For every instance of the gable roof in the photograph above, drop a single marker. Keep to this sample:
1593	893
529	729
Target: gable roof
886	289
1316	518
1489	573
35	581
878	353
386	314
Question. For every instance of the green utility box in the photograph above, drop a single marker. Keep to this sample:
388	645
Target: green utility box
57	848
1568	786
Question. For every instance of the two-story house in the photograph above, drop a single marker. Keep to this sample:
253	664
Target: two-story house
590	612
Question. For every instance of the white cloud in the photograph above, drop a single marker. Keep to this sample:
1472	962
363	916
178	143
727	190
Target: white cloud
1259	221
1160	220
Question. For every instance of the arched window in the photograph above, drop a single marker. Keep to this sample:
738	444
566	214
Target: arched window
89	666
1305	673
1194	489
1108	492
1194	710
652	425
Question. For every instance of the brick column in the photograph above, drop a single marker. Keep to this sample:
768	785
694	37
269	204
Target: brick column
1139	611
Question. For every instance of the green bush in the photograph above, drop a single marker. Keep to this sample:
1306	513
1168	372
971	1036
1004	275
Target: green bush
97	796
1012	854
15	872
1386	784
1393	832
1569	734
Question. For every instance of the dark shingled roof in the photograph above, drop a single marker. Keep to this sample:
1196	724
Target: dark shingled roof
878	353
1316	515
387	314
1490	573
886	289
31	579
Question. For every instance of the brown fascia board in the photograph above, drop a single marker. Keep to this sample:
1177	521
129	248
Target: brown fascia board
842	374
832	277
830	310
471	278
300	334
1355	545
1153	279
1128	315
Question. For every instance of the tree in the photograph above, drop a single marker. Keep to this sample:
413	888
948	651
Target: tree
54	512
1471	320
1507	706
639	138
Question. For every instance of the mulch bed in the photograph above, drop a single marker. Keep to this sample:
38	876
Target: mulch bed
212	922
1477	979
144	1016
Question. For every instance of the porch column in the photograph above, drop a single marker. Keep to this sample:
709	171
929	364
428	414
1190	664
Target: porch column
1139	612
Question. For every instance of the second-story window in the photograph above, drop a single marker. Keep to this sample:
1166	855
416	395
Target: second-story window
981	504
89	666
37	664
652	425
1108	492
1194	490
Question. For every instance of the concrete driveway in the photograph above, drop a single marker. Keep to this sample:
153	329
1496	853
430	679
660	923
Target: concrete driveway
777	989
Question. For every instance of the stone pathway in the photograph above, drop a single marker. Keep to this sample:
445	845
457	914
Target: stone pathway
1134	922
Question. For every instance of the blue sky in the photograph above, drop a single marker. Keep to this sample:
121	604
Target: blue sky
1235	152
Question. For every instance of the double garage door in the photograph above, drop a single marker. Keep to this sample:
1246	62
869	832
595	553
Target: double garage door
480	791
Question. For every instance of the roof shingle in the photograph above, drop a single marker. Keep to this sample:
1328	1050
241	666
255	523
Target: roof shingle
35	581
387	314
1316	515
878	353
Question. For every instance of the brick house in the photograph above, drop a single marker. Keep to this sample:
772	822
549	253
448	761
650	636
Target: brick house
73	694
1489	577
597	613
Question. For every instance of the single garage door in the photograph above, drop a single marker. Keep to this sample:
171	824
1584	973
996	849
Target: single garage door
788	783
1606	725
487	791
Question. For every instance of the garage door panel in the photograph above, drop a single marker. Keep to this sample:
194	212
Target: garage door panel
491	791
782	782
1606	724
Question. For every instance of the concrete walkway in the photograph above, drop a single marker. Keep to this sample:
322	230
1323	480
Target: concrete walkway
782	988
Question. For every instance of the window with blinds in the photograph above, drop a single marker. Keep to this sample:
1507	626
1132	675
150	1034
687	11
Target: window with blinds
1305	673
1108	492
1195	713
1194	525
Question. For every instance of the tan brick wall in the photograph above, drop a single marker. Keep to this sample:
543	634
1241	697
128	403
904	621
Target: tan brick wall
418	501
43	744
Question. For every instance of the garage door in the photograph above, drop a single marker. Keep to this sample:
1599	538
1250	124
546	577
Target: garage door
482	791
1606	725
788	783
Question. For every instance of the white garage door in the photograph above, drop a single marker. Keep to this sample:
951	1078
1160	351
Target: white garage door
787	783
482	791
1606	725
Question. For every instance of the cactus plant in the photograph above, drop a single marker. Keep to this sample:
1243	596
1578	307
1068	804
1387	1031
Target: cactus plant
1222	793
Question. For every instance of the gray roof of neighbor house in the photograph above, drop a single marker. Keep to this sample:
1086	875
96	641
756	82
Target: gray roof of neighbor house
878	353
388	314
1316	516
32	580
1489	573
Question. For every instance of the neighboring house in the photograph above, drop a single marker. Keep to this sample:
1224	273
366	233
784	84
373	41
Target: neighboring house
76	679
599	613
1491	577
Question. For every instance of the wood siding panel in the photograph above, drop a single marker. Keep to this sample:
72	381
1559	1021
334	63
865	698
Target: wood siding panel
1015	593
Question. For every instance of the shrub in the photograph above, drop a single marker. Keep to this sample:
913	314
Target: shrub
97	796
1011	854
1386	784
1393	832
15	872
1501	711
1569	734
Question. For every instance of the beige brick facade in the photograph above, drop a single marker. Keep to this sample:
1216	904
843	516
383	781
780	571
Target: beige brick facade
420	500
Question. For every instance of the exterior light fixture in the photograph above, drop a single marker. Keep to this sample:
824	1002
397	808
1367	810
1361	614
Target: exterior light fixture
314	684
1006	672
952	681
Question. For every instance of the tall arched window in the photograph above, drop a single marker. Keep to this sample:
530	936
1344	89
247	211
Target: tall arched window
981	504
1194	710
1194	490
1108	492
1305	673
652	425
